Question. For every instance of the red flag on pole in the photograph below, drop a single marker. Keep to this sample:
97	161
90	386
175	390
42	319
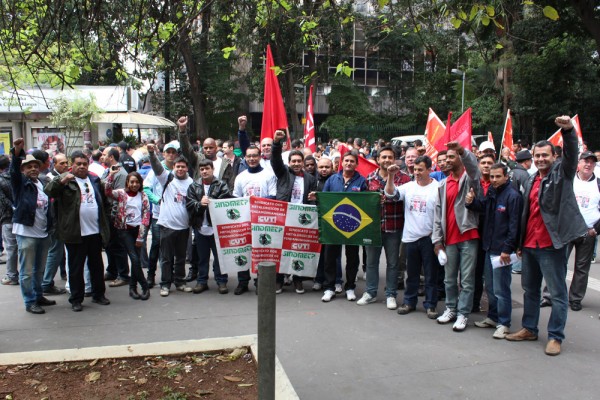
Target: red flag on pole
274	116
490	137
461	130
507	136
364	166
557	139
434	135
309	127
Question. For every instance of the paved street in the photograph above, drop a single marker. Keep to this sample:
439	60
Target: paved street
337	350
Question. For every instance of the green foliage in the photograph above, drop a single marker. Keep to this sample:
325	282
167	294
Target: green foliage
74	116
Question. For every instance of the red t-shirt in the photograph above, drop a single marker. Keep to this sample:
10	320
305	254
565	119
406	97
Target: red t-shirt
453	235
485	185
537	235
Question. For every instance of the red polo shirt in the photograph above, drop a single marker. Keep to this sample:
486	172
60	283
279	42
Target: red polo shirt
453	235
537	235
485	185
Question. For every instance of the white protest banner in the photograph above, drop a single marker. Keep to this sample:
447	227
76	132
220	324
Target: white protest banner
231	218
301	247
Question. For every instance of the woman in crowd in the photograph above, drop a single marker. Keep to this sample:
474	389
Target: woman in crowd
131	220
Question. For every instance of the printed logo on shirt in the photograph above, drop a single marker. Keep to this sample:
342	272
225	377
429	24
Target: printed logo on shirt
501	208
87	198
418	204
42	201
253	190
179	198
583	201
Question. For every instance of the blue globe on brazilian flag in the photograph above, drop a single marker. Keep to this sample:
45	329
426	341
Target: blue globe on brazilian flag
349	218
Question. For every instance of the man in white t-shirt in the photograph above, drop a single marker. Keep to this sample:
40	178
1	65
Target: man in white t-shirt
31	221
420	199
83	226
173	222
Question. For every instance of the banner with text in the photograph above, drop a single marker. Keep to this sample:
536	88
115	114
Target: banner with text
284	233
231	222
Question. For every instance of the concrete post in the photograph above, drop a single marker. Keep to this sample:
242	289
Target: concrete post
266	331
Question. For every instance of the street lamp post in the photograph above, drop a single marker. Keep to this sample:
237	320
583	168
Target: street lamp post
459	72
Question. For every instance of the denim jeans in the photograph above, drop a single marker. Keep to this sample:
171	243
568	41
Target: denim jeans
461	263
391	245
205	246
10	245
497	287
32	261
129	237
154	248
56	254
549	264
420	253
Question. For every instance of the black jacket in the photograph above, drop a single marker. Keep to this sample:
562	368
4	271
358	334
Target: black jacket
502	210
556	198
217	190
285	177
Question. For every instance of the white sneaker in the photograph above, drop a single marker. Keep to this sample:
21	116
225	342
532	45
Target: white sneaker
390	303
447	316
327	296
338	288
317	286
501	332
486	323
366	299
350	295
164	291
460	324
184	288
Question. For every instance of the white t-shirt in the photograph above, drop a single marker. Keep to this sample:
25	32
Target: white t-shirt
217	165
97	169
419	208
298	190
38	230
260	184
206	229
173	214
588	199
133	210
88	211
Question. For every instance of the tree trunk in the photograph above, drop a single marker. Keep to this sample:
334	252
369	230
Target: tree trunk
290	104
585	9
196	92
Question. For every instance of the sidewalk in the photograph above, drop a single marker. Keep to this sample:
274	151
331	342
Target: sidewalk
335	350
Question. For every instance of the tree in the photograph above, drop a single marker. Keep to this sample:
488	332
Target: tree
74	115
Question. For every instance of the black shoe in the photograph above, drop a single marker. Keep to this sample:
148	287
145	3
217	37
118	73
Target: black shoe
133	293
145	294
223	288
42	301
191	276
109	277
151	282
103	301
405	309
87	294
546	303
63	277
76	307
54	290
35	309
240	289
200	287
576	306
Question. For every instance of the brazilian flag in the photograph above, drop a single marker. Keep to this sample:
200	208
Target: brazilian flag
350	218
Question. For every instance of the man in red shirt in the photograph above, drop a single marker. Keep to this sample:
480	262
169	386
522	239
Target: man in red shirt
551	219
455	231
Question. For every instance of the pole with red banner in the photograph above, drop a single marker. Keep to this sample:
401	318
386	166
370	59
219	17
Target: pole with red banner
507	136
274	115
309	127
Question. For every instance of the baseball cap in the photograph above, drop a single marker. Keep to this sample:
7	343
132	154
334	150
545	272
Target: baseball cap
174	144
588	154
487	145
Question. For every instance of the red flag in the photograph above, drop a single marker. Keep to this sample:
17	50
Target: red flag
461	130
364	167
507	136
557	139
274	116
490	137
434	135
309	127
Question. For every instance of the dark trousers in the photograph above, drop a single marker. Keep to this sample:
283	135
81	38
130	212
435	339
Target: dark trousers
173	245
204	245
90	248
116	255
332	251
420	253
128	238
478	292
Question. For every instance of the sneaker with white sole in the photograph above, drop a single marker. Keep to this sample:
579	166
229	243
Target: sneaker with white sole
366	299
448	316
338	288
460	324
350	295
184	288
317	286
486	323
501	332
328	296
164	291
390	303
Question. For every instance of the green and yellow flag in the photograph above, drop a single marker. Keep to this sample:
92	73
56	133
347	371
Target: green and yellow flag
350	218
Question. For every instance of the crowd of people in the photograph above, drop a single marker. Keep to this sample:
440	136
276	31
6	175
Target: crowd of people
450	227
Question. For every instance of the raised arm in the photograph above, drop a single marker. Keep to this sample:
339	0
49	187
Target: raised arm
184	141
242	135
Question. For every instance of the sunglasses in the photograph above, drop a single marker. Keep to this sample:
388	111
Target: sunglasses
87	187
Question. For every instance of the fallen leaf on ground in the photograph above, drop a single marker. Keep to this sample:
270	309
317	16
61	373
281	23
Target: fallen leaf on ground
141	381
232	378
245	384
237	353
92	376
93	362
32	382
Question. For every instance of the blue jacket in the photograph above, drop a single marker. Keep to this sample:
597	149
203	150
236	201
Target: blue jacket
335	183
502	210
25	194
